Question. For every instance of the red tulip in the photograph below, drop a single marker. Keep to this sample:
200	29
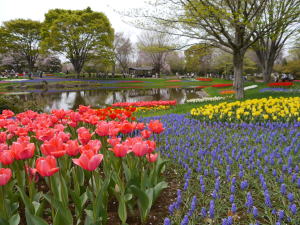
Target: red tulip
53	147
7	157
146	134
140	149
88	160
72	147
92	145
151	146
102	128
5	175
152	157
3	147
3	137
84	135
23	150
140	126
156	126
127	128
46	166
120	150
113	141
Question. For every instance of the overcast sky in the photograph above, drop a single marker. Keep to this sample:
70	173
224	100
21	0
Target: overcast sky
35	10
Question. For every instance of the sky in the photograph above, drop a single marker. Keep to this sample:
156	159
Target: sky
35	10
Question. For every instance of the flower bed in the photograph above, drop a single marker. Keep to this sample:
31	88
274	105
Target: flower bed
204	79
173	80
144	103
280	84
222	85
206	99
274	109
227	92
152	108
66	166
279	90
233	173
250	87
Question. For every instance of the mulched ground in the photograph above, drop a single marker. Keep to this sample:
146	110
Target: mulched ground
159	210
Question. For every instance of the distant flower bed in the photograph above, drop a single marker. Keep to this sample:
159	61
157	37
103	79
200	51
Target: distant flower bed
250	87
204	79
280	84
227	92
278	90
206	99
49	75
173	80
296	80
151	108
132	81
203	86
143	103
222	85
254	110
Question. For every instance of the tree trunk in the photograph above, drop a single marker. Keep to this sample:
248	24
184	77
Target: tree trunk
238	60
267	69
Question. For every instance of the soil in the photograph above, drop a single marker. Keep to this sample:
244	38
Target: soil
158	211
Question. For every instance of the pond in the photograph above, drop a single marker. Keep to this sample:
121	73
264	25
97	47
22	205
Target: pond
105	97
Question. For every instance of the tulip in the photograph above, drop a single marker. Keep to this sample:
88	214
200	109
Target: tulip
89	160
140	149
146	134
54	147
23	150
84	136
3	147
3	137
46	166
113	141
72	147
5	175
156	126
7	157
92	145
152	157
102	128
120	150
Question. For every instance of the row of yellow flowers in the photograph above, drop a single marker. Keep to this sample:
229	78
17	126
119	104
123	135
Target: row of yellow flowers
152	108
274	109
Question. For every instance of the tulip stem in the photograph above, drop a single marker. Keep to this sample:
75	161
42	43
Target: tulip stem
3	207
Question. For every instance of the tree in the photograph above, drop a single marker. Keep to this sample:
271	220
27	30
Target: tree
21	37
77	34
223	63
198	58
268	47
123	50
176	62
50	64
226	24
156	46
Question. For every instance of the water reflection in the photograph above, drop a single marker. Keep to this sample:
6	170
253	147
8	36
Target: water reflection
99	98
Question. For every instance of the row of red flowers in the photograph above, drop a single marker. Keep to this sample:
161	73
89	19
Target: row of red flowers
280	84
222	85
144	103
204	79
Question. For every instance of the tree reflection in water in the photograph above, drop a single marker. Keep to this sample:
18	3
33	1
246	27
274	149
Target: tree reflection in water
104	97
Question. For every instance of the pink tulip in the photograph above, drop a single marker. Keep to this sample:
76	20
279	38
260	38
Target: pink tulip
72	147
5	175
46	166
120	150
88	160
7	157
152	157
23	150
84	135
140	149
